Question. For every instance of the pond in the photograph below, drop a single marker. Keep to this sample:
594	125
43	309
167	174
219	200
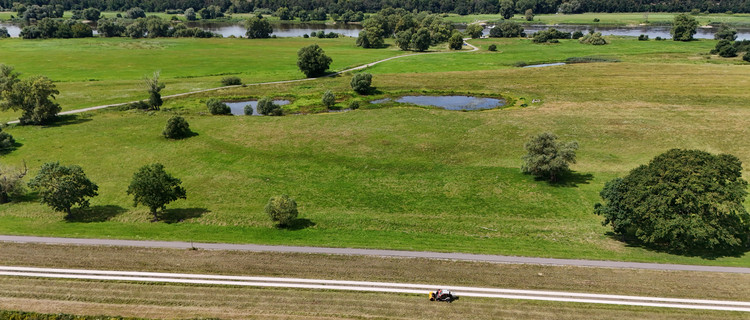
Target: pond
463	103
238	108
651	31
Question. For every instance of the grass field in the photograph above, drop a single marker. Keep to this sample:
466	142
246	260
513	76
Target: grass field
634	18
403	178
170	301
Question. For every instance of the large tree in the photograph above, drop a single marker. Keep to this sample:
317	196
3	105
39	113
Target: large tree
683	200
507	8
154	86
155	188
62	187
313	61
683	27
33	96
548	158
258	28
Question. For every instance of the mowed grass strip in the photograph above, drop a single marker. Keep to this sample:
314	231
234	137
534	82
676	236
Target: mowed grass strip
675	284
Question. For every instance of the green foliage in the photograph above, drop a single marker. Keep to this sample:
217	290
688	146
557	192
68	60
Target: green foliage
474	30
153	187
282	210
11	183
328	99
492	47
683	27
354	105
153	86
190	14
549	35
370	38
258	28
32	96
231	81
548	158
682	201
361	82
507	29
6	140
507	9
643	37
215	106
176	128
265	107
92	14
725	32
62	187
283	14
746	57
420	41
576	35
529	15
135	13
403	39
593	39
456	42
313	61
4	33
725	48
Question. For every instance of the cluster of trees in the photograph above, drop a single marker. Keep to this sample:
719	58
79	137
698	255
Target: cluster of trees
727	47
341	7
56	28
412	31
151	27
506	29
34	12
33	96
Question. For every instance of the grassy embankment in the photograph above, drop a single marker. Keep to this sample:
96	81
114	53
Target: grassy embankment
407	178
632	18
170	301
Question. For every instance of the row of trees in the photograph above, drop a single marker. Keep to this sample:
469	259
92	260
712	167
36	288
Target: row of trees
684	201
411	31
439	6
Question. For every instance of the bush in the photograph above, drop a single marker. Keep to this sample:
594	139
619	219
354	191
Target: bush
313	61
354	105
176	128
4	33
682	201
596	20
215	106
6	140
595	39
643	37
265	107
507	29
550	34
492	47
474	31
725	49
362	83
746	57
576	35
282	210
329	99
231	81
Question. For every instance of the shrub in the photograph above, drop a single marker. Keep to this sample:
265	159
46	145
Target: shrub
725	49
492	47
507	29
354	105
329	99
4	33
548	158
6	140
313	61
576	35
265	107
231	81
258	28
593	39
550	34
596	20
362	83
215	106
746	57
456	41
643	37
282	210
474	31
176	128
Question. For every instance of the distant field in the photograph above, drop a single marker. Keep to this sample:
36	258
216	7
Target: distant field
634	18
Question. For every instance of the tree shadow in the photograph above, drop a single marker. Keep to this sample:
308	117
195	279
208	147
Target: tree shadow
181	214
10	149
571	179
187	135
67	119
95	213
298	224
633	242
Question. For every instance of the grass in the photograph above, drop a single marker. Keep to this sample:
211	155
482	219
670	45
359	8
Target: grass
170	301
402	178
630	18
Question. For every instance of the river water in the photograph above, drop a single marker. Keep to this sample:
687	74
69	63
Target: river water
352	30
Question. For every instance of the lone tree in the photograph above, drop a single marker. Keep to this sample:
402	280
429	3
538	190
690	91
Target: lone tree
154	188
33	96
282	210
683	27
547	157
176	128
474	31
265	107
456	42
362	83
62	187
258	28
11	182
154	90
215	106
312	61
683	200
328	99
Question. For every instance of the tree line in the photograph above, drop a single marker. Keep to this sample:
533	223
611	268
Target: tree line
436	6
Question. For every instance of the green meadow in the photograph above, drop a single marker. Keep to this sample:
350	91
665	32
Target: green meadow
389	176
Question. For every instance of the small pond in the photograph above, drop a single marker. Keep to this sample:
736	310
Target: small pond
545	65
238	108
449	102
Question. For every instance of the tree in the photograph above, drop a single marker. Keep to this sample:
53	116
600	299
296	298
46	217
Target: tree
32	96
746	57
151	186
683	27
135	13
492	47
507	29
190	14
456	42
361	83
312	61
507	8
529	15
153	86
6	140
370	37
682	201
474	31
420	41
92	14
283	13
258	28
265	107
593	39
62	187
403	39
328	99
4	33
725	32
725	49
110	28
11	182
176	128
215	106
548	158
282	210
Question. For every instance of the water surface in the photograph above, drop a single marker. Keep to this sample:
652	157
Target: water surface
449	102
238	108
